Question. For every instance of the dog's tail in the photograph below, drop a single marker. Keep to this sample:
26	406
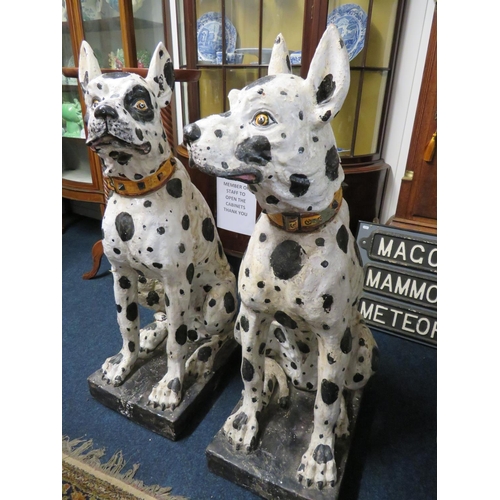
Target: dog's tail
274	375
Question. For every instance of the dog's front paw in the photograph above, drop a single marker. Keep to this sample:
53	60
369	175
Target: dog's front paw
241	430
167	393
116	368
318	467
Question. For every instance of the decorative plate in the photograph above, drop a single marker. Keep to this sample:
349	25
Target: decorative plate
350	19
209	31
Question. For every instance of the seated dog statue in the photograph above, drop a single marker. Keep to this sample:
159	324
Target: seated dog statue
301	276
158	231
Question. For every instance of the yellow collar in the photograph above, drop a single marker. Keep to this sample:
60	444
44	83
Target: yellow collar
304	222
126	187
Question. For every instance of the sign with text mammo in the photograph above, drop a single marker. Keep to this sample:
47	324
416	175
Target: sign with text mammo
236	206
400	281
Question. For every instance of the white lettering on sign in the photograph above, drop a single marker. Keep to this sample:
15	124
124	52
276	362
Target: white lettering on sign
397	284
236	207
398	319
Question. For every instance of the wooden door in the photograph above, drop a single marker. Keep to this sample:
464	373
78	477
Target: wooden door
417	203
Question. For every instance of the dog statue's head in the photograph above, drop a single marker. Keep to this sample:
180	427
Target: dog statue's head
277	135
123	114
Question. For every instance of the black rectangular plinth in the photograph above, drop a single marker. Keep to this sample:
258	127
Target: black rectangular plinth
131	398
270	471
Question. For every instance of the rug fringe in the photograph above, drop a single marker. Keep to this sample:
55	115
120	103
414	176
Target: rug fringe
83	450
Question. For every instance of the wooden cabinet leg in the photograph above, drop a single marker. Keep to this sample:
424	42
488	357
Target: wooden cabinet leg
97	253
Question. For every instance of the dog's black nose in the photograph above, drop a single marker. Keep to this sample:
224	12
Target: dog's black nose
104	111
191	133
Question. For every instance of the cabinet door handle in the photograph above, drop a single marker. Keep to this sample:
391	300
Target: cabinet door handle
430	150
408	175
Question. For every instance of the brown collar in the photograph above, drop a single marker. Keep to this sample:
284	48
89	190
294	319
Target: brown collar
309	221
126	187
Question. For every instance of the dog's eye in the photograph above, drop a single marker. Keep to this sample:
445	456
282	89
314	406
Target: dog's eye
95	101
141	105
262	120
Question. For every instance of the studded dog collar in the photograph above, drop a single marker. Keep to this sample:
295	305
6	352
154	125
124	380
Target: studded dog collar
126	187
305	222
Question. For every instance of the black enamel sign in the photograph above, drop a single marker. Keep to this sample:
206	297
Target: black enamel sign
400	281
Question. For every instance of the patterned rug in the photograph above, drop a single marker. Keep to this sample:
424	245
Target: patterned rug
84	477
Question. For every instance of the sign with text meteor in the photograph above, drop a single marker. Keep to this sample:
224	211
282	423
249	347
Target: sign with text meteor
400	281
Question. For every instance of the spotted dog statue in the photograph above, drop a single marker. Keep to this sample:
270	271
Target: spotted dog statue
301	276
159	233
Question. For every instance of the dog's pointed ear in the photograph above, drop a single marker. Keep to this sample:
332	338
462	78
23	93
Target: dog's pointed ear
88	66
280	60
329	74
233	97
161	75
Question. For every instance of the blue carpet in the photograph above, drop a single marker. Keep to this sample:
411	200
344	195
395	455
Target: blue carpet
394	449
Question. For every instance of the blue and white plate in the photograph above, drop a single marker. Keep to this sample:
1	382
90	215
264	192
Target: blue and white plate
350	19
209	31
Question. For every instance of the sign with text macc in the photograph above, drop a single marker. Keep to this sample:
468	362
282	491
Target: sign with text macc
400	281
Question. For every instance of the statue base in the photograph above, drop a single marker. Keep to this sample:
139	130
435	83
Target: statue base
271	470
131	398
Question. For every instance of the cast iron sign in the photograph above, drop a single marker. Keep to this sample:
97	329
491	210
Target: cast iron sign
400	281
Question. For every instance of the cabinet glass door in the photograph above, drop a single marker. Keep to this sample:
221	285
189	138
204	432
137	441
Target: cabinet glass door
75	159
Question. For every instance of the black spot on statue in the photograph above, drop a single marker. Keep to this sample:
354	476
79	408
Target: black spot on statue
125	226
303	347
167	301
262	348
174	188
131	346
330	359
190	273
229	303
185	222
152	298
240	420
168	71
286	259
124	282
343	238
283	319
358	377
244	323
192	335
218	133
132	311
247	370
139	134
346	342
254	150
272	200
175	385
208	230
329	392
299	184
332	163
181	335
204	353
326	89
327	302
278	333
322	454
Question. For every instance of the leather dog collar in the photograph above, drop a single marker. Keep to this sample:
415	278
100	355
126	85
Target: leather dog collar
304	222
126	187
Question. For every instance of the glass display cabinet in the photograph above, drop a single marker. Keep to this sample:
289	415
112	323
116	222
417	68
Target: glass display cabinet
230	42
123	35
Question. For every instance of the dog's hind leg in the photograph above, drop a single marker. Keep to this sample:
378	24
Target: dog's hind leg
274	375
152	335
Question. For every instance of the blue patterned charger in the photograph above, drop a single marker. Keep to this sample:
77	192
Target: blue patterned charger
209	32
350	19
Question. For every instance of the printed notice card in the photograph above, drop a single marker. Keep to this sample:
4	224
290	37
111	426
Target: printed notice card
236	206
